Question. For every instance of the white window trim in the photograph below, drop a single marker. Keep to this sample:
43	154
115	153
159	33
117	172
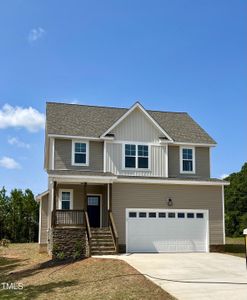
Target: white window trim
73	153
136	157
60	198
193	160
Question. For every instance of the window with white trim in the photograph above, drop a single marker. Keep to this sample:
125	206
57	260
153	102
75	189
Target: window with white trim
66	199
130	156
79	153
187	160
136	156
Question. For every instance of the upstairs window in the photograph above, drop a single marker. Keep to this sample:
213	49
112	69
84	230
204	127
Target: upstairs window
130	156
79	153
187	160
136	156
142	156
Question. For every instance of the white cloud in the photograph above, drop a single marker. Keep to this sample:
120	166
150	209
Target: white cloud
224	176
29	118
35	34
18	142
74	101
9	163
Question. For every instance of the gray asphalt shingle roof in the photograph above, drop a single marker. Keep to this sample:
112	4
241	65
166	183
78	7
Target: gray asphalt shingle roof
93	121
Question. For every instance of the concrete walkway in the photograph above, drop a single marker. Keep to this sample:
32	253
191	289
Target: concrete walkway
194	276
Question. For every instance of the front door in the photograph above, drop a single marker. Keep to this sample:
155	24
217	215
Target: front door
93	210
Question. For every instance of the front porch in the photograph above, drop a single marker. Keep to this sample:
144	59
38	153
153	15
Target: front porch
87	206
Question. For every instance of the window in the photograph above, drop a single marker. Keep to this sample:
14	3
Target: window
199	215
79	153
180	215
190	215
66	199
93	200
187	160
142	215
136	156
132	214
152	215
171	215
130	156
162	215
142	157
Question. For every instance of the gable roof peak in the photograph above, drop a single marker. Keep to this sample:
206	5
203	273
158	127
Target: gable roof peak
145	112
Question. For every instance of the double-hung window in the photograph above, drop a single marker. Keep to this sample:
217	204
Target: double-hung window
130	156
66	199
79	153
187	160
136	156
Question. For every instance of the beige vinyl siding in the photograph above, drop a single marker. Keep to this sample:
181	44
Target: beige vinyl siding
202	162
63	156
114	161
137	127
155	196
78	193
44	220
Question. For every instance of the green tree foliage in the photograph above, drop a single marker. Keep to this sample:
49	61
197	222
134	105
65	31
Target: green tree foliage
236	203
19	215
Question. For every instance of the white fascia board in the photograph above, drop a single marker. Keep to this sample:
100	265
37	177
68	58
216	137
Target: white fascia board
176	182
62	136
40	196
193	144
79	178
137	105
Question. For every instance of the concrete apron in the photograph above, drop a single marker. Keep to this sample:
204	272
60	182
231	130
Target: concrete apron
193	276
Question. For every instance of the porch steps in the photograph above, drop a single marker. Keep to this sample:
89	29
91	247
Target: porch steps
102	241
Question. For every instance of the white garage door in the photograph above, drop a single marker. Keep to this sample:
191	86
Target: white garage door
173	230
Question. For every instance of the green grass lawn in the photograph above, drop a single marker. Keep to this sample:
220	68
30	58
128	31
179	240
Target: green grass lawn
92	278
235	246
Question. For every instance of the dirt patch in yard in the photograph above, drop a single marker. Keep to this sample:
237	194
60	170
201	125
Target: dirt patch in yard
92	278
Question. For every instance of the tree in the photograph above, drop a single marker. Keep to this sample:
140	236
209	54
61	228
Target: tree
3	210
19	214
236	202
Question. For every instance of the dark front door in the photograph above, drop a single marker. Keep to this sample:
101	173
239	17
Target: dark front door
93	210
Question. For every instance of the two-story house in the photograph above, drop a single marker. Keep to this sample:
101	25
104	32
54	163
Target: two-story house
131	180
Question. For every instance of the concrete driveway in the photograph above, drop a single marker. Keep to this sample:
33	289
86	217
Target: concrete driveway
189	276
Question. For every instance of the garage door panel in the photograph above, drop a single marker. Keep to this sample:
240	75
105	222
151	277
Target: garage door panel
167	234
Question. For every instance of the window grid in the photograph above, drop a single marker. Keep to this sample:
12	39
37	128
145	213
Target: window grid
136	156
187	160
80	153
65	201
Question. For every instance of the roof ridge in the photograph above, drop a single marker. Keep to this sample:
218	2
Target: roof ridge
115	107
100	106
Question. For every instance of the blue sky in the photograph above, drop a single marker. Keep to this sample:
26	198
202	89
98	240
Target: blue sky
170	55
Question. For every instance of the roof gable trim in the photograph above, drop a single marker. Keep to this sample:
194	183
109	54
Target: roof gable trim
136	105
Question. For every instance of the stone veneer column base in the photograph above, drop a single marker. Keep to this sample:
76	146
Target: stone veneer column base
69	242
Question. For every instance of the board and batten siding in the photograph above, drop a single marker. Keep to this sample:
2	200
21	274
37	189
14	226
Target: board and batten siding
126	195
63	153
114	161
137	127
202	162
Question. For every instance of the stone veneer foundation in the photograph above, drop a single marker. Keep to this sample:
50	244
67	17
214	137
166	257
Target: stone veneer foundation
68	242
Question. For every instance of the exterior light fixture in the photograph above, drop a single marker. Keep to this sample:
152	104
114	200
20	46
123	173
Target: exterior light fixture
169	202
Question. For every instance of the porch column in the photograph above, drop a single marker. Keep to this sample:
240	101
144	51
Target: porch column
110	196
85	195
54	203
